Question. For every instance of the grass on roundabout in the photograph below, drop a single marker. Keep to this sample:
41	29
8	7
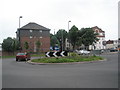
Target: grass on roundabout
72	58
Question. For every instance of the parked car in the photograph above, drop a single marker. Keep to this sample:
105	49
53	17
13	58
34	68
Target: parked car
102	50
22	56
81	52
113	50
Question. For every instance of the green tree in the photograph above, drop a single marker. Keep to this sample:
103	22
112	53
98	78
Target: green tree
10	45
26	45
16	44
88	37
61	36
73	36
38	44
53	41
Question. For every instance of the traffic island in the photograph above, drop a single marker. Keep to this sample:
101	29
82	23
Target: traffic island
66	60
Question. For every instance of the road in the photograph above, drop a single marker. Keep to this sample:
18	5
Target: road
102	74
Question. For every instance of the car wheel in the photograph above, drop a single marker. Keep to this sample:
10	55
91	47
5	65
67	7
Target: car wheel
16	59
26	59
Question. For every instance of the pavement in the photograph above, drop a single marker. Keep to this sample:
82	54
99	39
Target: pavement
83	75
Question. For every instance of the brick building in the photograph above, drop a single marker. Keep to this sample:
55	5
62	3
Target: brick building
32	33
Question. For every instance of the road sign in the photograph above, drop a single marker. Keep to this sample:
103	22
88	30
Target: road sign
56	54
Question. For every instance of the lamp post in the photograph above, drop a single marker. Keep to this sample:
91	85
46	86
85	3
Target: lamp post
62	40
68	34
19	21
19	34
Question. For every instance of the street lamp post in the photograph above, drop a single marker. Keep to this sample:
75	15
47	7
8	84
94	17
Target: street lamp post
68	34
62	40
19	21
19	34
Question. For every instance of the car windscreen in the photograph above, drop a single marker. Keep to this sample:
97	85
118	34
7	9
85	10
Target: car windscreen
21	54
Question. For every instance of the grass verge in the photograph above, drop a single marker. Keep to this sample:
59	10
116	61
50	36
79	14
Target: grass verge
67	59
8	56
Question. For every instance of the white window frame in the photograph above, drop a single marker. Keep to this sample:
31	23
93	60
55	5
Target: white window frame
31	37
40	31
31	31
41	37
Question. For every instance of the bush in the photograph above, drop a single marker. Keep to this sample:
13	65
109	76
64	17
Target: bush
73	54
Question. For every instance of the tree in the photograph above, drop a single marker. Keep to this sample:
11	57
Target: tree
38	45
73	36
10	45
78	39
26	45
61	36
16	44
53	41
88	37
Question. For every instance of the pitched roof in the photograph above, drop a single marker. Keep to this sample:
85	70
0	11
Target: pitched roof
34	26
96	27
109	42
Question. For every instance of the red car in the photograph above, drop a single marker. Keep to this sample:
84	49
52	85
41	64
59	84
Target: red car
22	56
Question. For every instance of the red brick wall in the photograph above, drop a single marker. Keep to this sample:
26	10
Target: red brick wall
45	43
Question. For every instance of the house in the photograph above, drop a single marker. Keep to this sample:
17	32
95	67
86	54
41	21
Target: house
101	36
32	33
68	46
96	46
112	44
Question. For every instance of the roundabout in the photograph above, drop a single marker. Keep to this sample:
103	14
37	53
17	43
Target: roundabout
65	75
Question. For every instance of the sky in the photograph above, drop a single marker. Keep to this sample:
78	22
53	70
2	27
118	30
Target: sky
55	14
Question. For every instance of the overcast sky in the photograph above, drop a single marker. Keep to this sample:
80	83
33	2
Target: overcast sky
55	14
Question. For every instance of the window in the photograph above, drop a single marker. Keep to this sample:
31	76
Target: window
96	30
41	37
41	43
31	36
67	40
40	31
31	30
101	33
67	45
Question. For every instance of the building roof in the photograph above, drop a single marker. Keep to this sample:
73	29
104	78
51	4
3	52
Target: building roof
96	27
34	26
109	42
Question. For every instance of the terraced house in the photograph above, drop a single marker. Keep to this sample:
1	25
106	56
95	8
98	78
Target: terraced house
33	33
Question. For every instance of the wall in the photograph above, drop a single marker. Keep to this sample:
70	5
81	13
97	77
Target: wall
45	43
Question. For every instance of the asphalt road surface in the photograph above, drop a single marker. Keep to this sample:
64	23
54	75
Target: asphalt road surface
102	74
